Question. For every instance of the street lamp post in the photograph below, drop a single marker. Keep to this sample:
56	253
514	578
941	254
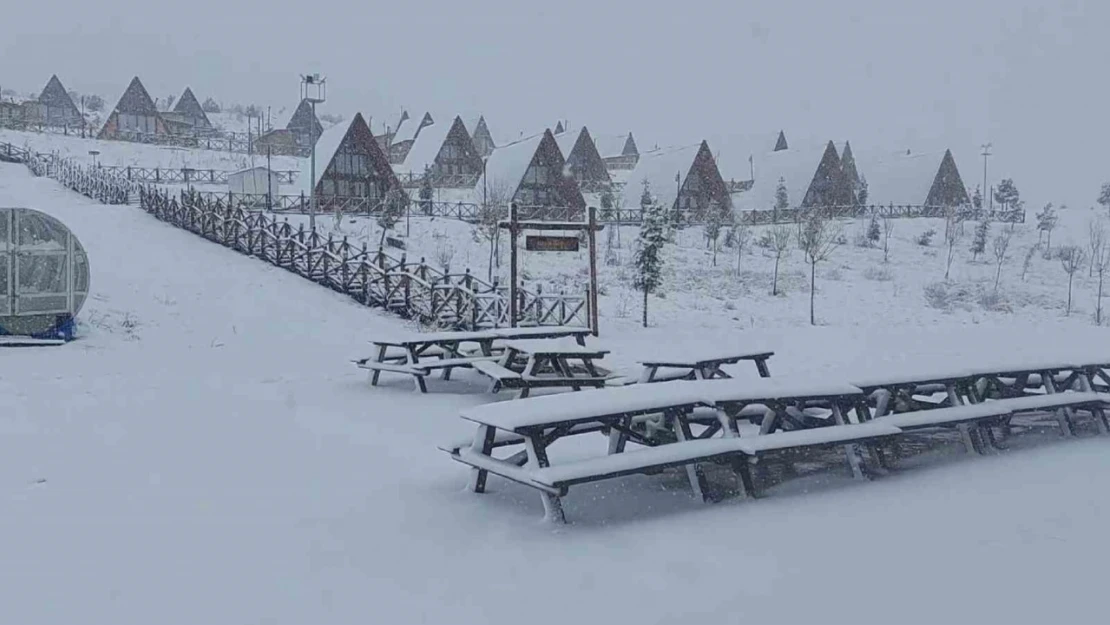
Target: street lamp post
313	89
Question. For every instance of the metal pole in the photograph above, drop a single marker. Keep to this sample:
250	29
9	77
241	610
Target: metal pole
512	266
269	185
593	269
312	172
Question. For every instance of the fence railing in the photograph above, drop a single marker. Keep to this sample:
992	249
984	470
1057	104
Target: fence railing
413	180
87	180
633	216
413	290
185	175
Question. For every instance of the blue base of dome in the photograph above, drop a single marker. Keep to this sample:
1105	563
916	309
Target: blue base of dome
63	330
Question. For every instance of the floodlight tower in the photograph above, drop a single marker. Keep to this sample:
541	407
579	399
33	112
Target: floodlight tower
314	89
985	153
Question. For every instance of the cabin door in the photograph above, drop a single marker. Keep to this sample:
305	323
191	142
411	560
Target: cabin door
40	274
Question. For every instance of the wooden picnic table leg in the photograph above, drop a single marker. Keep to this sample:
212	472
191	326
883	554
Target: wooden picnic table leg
377	372
562	367
483	444
647	375
413	361
761	367
618	437
694	471
1083	379
965	430
537	457
850	451
1064	416
580	339
451	350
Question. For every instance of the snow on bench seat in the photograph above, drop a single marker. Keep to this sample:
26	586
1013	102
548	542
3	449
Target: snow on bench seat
754	445
586	406
730	390
494	370
446	363
944	416
1032	403
417	370
631	462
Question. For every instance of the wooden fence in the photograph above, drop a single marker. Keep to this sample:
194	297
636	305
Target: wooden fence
413	290
185	175
87	180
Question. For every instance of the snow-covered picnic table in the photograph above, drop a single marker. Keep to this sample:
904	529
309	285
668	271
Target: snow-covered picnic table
545	363
702	365
417	354
623	412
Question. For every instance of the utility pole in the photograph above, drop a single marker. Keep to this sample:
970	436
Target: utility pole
313	89
986	152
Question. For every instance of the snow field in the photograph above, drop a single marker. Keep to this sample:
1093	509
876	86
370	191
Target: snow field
207	453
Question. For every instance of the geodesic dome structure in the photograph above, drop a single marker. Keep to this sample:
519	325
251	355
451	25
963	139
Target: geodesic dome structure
44	275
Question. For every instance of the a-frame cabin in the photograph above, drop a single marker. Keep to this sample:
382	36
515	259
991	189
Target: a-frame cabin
700	185
948	188
135	117
54	107
482	138
447	153
188	114
304	125
619	152
530	173
405	137
848	164
350	165
830	186
583	161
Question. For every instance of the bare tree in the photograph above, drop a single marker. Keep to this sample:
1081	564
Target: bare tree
953	234
1096	240
1028	262
819	238
741	237
1001	249
888	228
1071	259
492	209
393	208
716	217
780	245
1101	262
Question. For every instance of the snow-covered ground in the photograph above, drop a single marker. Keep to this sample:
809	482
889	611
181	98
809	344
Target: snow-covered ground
125	153
207	453
854	287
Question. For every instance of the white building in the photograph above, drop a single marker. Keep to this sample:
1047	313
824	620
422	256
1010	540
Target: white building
253	181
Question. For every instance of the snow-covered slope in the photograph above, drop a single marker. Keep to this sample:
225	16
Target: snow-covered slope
206	453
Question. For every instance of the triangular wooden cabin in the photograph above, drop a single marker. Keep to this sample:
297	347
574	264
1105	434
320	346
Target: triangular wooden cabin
619	152
699	182
187	116
350	164
907	178
848	164
583	162
830	186
482	138
407	132
305	127
54	107
530	172
447	153
780	143
135	117
559	129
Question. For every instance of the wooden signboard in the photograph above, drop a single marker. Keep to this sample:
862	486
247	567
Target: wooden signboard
397	243
534	243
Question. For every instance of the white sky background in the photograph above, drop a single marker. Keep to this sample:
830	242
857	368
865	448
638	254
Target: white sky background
1028	76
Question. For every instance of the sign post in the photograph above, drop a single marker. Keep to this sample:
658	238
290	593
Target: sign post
537	243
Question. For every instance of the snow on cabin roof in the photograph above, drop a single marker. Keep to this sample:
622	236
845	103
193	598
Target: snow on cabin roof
425	148
795	166
326	147
409	129
609	146
659	167
507	164
567	139
898	177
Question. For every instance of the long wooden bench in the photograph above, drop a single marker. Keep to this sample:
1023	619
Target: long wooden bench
968	419
556	480
502	377
1063	404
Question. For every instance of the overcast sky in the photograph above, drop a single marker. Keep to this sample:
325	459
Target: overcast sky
886	74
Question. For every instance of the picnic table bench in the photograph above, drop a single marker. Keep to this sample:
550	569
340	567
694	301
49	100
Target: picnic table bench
526	364
704	366
419	354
